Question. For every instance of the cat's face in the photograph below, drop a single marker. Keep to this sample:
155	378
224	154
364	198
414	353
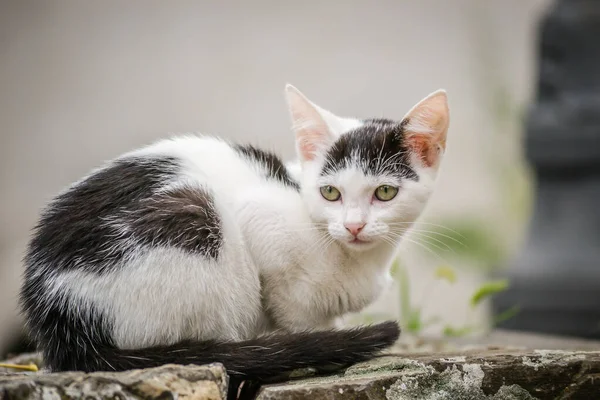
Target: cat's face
367	181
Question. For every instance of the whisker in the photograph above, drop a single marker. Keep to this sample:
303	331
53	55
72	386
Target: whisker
430	224
410	240
430	234
445	248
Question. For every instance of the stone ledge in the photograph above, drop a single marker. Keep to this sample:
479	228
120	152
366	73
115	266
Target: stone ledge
497	375
486	374
166	382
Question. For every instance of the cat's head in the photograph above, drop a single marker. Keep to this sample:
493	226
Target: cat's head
368	180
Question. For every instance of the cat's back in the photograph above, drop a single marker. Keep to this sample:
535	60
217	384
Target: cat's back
101	220
147	226
205	160
98	221
225	167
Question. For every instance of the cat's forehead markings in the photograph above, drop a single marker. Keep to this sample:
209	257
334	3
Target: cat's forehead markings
354	182
377	147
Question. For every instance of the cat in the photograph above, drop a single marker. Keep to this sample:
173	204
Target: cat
195	250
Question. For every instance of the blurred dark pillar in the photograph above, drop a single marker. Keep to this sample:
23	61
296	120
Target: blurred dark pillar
556	278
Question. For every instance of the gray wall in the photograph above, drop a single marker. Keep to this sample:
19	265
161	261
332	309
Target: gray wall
82	81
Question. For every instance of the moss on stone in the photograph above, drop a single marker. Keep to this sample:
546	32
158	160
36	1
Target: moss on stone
384	364
452	384
545	358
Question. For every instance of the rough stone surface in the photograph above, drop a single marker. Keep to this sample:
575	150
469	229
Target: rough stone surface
166	382
497	375
487	370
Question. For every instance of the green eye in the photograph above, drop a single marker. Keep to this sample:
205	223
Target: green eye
330	193
386	193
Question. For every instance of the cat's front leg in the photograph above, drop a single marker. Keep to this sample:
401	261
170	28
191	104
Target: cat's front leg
295	303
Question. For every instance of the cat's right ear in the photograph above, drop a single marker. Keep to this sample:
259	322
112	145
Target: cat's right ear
426	127
313	135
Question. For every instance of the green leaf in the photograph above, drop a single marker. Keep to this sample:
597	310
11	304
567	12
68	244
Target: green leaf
446	273
395	269
457	332
414	323
488	289
399	273
506	315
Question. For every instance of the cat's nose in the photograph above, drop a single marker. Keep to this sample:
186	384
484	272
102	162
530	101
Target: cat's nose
354	228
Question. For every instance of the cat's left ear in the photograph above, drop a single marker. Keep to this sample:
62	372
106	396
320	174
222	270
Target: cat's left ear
426	127
309	122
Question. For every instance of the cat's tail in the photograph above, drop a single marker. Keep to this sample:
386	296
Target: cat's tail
258	359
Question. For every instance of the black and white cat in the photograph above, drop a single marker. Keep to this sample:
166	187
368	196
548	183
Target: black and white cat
195	250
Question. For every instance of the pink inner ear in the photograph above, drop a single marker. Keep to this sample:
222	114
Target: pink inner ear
426	128
307	146
424	148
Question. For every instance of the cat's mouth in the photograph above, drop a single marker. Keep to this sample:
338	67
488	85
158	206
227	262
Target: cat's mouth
357	244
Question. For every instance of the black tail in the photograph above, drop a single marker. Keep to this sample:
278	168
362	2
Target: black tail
257	359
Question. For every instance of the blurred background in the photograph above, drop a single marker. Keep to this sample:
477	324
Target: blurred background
82	82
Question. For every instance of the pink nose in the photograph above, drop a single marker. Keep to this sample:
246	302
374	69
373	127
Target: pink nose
354	228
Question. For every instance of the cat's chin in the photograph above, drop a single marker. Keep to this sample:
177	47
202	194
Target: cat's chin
360	245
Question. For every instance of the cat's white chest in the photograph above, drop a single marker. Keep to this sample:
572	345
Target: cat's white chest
362	284
275	227
308	279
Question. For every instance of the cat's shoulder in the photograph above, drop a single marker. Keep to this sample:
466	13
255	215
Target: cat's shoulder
218	156
181	146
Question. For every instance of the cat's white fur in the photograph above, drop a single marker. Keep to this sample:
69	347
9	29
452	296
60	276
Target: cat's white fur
285	263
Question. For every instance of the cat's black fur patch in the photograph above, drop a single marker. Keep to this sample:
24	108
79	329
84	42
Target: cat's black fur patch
378	146
116	210
274	167
67	336
183	218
